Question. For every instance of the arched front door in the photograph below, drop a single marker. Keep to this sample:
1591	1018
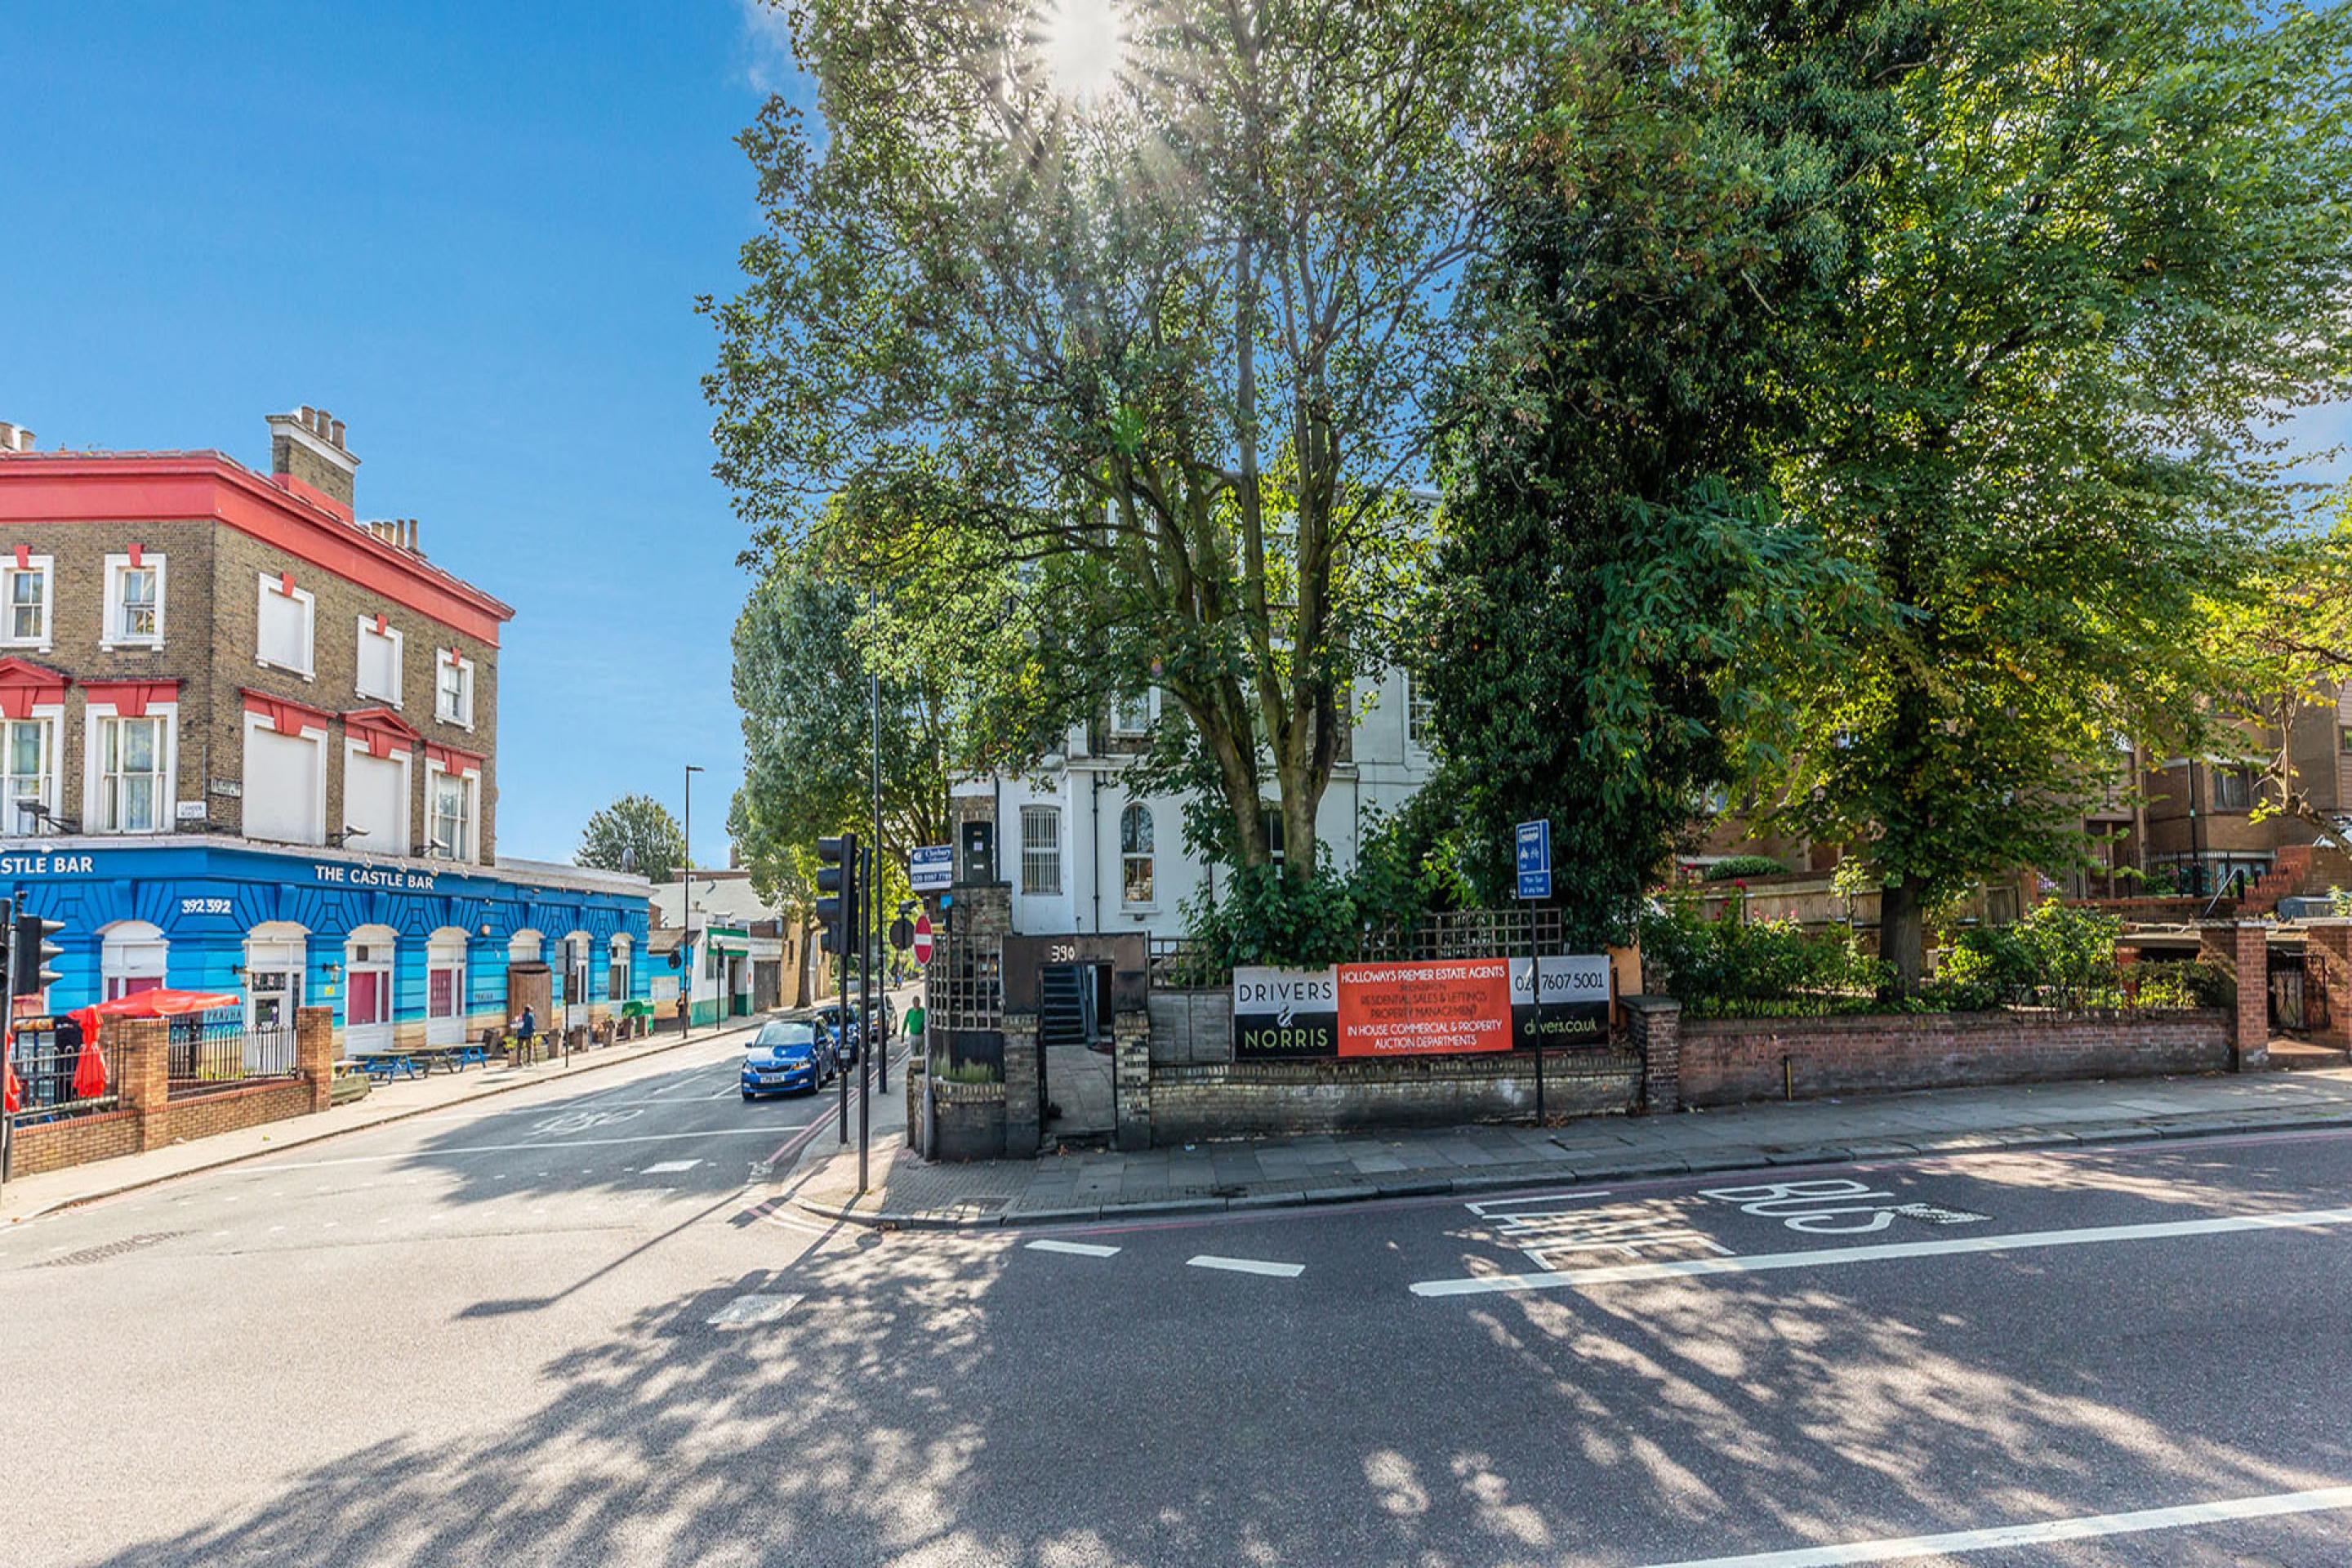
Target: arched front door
445	988
369	960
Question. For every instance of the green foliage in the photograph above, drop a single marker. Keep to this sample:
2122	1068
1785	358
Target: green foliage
2113	242
2062	956
1746	968
1408	866
1167	356
1622	590
636	832
1732	867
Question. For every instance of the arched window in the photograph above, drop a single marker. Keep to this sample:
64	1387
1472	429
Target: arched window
1137	885
523	947
131	959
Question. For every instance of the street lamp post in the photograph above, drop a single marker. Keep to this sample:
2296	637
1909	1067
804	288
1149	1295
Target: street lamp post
686	914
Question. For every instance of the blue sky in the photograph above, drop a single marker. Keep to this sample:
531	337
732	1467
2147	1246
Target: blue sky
476	234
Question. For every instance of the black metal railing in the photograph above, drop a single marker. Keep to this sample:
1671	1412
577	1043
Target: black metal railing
48	1063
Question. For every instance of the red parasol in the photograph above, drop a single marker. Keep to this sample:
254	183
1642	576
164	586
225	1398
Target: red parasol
90	1068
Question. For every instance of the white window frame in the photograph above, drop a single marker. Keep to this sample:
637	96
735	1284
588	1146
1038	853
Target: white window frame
358	663
1148	855
315	736
1037	857
115	635
443	659
44	567
619	966
471	779
123	956
402	843
1148	700
95	718
52	716
1419	714
310	603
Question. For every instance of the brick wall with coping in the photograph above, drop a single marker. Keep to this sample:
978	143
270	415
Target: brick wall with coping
1733	1061
1237	1099
150	1117
2244	947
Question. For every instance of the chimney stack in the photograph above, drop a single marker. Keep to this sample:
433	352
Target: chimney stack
15	437
306	447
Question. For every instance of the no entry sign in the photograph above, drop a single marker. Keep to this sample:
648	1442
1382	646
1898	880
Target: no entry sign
922	939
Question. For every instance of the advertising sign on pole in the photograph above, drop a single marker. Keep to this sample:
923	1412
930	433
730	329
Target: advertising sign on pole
930	867
1534	840
1431	1007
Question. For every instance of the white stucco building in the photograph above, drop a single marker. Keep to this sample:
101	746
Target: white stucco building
1082	853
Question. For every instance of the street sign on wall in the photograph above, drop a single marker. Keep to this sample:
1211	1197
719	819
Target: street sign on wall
930	867
1534	840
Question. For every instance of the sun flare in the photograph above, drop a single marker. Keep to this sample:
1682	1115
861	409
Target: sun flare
1086	43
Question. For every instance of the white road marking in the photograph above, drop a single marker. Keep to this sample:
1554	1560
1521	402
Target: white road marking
668	1165
1248	1265
2040	1532
1076	1249
1884	1252
744	1311
517	1148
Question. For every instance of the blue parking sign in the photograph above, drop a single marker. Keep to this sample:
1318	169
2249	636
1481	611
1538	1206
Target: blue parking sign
1535	859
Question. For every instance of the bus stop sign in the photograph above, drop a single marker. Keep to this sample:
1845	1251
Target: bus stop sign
1534	840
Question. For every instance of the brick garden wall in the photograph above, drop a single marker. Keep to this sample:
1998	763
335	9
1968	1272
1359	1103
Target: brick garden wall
1234	1099
77	1141
1728	1061
229	1111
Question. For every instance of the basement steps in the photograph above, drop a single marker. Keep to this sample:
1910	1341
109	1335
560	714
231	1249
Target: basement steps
2308	870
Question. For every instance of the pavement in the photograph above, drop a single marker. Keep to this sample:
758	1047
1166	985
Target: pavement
24	1197
905	1192
585	1323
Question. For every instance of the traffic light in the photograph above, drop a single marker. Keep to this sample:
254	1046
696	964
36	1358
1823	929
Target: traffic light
837	880
29	972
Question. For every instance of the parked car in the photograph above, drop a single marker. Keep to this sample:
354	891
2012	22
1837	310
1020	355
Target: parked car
828	1021
787	1055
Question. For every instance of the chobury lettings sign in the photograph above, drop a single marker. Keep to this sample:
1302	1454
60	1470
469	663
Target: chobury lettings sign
1431	1007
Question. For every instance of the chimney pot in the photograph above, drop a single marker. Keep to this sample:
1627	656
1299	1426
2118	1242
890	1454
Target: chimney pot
337	432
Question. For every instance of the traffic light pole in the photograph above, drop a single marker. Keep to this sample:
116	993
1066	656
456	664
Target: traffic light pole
866	1031
882	1064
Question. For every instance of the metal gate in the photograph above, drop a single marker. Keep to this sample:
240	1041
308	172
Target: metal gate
2298	987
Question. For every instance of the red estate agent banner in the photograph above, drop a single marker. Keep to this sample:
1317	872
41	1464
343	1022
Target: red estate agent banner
1437	1007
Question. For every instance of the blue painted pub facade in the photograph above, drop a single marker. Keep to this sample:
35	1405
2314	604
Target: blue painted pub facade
407	952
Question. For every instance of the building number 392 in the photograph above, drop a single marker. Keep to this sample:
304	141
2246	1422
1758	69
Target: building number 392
204	906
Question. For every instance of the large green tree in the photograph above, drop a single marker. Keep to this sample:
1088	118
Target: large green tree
1678	220
2116	242
636	832
1165	341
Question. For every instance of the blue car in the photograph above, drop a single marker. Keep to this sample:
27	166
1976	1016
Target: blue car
785	1057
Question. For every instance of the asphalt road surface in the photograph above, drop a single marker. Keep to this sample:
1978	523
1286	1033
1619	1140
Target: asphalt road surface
572	1328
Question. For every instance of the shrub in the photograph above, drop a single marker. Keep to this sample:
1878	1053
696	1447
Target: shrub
1732	866
1733	967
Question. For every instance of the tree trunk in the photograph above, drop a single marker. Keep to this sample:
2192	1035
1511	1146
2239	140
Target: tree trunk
808	938
1902	935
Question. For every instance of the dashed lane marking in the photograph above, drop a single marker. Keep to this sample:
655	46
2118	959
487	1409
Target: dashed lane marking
668	1166
1632	1273
1248	1265
2040	1532
1078	1249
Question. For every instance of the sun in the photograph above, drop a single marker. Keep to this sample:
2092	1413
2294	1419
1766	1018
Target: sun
1085	42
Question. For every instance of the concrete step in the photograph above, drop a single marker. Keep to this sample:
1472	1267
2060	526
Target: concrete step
2302	1056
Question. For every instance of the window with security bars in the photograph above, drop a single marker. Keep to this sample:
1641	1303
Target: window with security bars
1041	849
130	775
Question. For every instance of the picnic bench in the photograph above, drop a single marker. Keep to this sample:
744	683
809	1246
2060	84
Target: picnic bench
383	1066
453	1058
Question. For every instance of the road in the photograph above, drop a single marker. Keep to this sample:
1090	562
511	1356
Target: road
561	1327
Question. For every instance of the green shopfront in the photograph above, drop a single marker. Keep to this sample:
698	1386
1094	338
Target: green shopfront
407	952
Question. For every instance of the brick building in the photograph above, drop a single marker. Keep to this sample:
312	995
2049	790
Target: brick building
250	741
